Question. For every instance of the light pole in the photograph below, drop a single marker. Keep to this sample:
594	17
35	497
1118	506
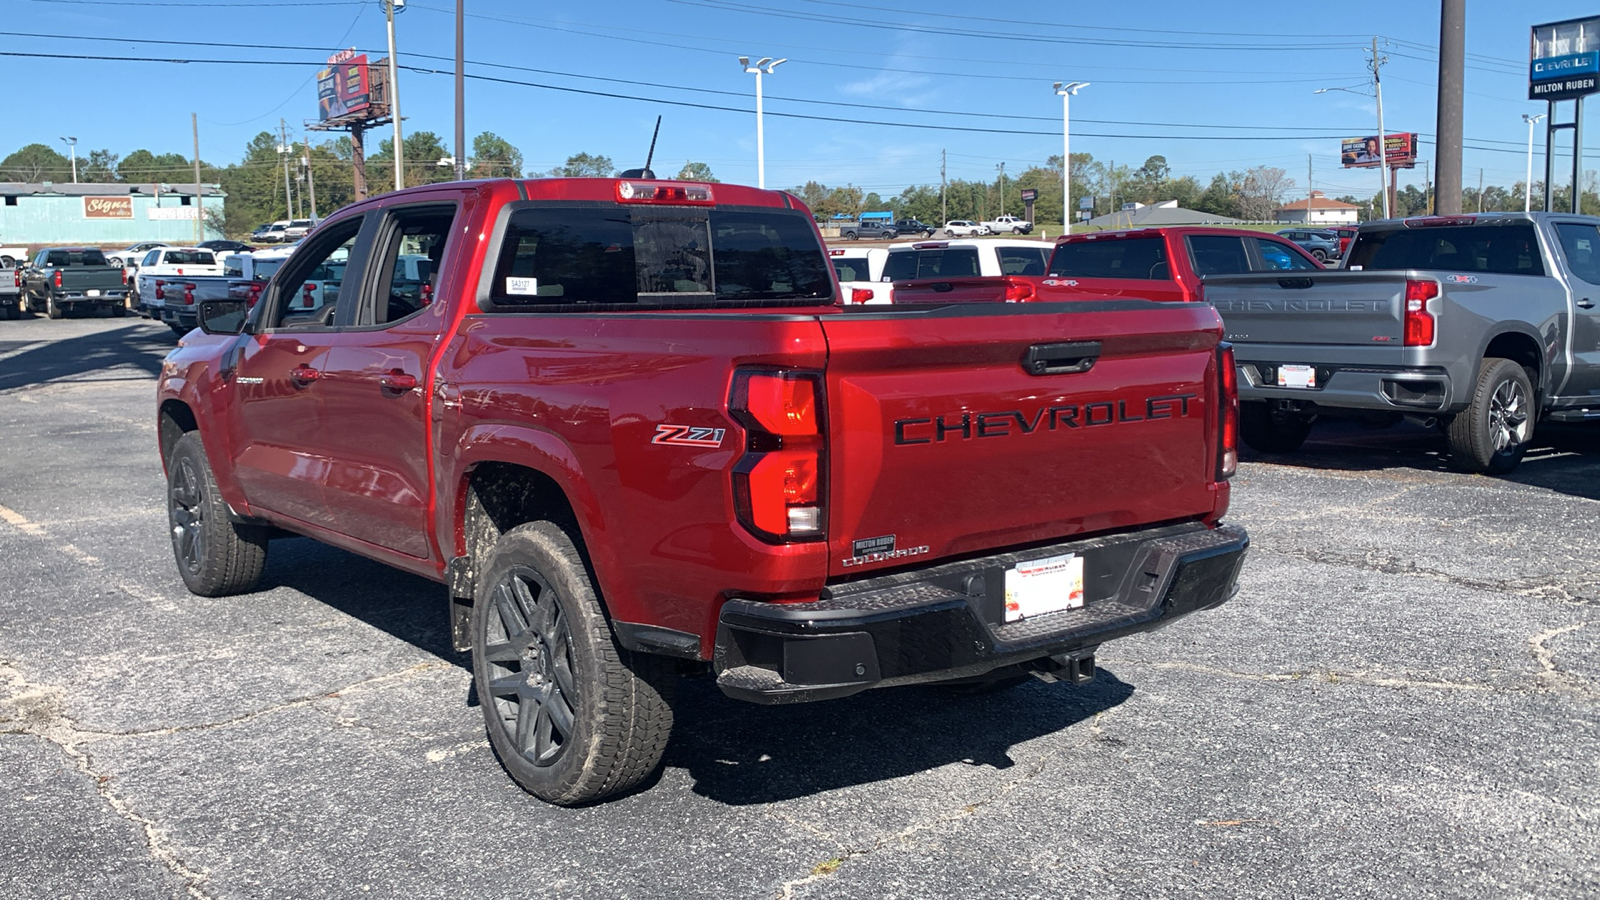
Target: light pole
1383	151
72	147
763	65
1066	91
394	98
1527	183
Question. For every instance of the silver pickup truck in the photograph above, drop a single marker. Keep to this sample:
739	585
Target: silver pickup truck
1480	325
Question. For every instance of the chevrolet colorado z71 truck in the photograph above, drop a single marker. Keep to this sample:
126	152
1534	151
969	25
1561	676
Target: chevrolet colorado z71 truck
1479	325
634	430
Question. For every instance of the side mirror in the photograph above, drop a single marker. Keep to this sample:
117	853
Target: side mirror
223	316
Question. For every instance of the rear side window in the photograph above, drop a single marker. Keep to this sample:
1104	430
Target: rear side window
1275	257
933	262
663	257
1498	249
1023	260
1217	254
1140	257
852	268
190	258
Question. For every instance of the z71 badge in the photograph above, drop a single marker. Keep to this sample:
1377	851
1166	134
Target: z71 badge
688	436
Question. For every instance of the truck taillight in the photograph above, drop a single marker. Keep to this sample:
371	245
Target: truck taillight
1227	413
1018	290
1418	319
16	278
161	293
778	486
188	295
58	278
255	289
860	295
307	298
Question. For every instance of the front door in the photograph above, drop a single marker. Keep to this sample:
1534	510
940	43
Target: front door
278	425
375	387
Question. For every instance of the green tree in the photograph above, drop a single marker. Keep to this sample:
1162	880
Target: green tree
99	167
1221	197
920	202
696	171
420	162
583	165
35	163
494	157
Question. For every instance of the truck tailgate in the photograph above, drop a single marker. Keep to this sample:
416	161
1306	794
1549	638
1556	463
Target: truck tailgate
972	289
1332	307
943	443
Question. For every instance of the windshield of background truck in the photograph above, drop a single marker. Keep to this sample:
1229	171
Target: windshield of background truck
1499	249
1142	257
660	256
933	262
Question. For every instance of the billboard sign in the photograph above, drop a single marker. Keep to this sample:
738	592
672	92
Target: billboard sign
108	207
1564	60
1362	152
343	88
1029	195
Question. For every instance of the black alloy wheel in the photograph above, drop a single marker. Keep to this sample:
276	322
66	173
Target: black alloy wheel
528	656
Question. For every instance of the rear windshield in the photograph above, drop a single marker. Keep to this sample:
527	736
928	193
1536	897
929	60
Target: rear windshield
1023	260
1511	249
190	258
663	257
1138	257
933	262
852	268
69	258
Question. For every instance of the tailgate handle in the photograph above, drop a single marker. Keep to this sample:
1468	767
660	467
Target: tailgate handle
943	287
1061	359
1295	284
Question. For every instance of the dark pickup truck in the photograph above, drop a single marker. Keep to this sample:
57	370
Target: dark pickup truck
632	427
63	280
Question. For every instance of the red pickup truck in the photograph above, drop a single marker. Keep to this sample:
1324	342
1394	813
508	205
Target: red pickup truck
1168	263
634	430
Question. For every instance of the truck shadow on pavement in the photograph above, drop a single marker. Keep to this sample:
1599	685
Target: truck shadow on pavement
85	358
739	753
1562	458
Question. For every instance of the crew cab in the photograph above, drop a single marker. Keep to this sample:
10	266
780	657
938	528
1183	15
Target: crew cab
1008	225
167	284
1479	325
63	280
971	270
874	231
633	429
912	226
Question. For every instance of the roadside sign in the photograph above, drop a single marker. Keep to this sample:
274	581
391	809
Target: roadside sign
1564	60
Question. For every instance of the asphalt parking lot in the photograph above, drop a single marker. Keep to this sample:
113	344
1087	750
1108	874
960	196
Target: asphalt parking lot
1403	700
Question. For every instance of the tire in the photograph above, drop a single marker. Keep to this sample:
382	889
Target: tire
177	329
1016	231
215	557
1267	430
1320	256
50	307
7	262
119	311
572	716
850	235
1491	435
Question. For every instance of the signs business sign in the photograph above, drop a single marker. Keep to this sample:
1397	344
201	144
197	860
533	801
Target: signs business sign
108	207
1565	60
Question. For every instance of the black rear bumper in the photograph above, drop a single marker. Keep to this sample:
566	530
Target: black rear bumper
948	621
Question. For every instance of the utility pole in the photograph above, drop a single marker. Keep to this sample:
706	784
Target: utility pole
1480	189
1376	64
1452	52
944	208
283	154
394	99
1527	183
311	181
461	102
199	205
1308	190
1002	189
1427	190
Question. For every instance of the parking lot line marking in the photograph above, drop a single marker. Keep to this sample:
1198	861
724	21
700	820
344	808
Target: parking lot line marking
20	522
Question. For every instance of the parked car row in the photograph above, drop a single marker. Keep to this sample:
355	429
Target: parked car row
283	231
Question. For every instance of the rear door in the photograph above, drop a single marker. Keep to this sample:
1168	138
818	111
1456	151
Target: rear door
943	443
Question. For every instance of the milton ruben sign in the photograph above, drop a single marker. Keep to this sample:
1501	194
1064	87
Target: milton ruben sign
1565	60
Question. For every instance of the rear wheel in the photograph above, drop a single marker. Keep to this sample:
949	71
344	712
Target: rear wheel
1319	255
1269	430
50	307
573	717
1492	434
215	557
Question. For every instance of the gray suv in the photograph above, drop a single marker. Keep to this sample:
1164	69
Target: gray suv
1324	245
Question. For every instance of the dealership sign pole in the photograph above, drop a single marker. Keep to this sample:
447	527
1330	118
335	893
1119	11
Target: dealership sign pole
1564	65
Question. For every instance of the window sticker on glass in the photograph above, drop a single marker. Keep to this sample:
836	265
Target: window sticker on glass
526	286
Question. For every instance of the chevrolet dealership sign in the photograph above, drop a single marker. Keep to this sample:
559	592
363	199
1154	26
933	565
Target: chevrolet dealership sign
1565	60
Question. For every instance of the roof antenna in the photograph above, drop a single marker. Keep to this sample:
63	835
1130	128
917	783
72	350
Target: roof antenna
645	172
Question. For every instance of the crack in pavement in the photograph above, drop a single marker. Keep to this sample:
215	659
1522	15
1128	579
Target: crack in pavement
1559	680
1388	564
35	709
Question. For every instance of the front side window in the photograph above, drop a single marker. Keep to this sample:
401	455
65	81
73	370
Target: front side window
1278	258
663	257
411	257
1218	254
308	297
1135	257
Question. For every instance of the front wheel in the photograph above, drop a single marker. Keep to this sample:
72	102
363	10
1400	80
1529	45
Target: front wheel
215	557
1491	435
1268	430
1320	256
573	717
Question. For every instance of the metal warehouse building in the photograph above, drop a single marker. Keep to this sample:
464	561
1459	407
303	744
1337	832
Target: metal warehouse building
121	214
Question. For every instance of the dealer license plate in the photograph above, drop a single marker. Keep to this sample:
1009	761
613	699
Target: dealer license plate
92	292
1297	376
1041	586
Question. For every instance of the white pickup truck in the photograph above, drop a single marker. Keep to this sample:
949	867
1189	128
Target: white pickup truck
1008	225
936	262
164	274
860	273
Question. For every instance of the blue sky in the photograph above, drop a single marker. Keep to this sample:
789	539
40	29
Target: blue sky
1164	75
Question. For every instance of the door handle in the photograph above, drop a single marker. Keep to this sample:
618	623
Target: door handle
303	375
1061	359
1586	303
397	380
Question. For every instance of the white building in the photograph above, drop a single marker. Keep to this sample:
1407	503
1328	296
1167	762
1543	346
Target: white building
1319	211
